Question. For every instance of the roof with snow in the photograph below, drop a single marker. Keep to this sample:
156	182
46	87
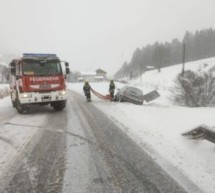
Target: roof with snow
39	56
100	71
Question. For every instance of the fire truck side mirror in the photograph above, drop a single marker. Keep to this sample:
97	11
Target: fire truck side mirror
66	64
13	64
13	71
67	70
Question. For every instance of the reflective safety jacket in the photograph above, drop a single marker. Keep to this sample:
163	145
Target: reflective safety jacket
86	88
111	87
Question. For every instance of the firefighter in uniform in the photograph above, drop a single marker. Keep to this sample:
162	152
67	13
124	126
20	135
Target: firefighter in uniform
111	89
86	90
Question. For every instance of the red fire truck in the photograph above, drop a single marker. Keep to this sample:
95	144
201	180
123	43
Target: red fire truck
38	79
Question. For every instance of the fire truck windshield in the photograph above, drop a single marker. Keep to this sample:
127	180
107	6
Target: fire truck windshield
41	68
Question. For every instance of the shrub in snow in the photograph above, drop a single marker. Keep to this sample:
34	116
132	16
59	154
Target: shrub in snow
212	70
195	89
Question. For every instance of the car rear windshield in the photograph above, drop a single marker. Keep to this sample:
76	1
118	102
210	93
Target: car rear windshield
136	90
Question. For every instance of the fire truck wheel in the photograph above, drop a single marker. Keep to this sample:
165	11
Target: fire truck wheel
13	102
21	108
59	106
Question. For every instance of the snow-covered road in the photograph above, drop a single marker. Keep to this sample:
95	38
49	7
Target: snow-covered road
16	134
76	150
102	158
80	149
157	127
28	148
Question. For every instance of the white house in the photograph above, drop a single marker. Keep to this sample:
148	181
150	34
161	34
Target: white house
93	76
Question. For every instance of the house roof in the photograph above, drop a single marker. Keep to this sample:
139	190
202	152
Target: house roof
100	71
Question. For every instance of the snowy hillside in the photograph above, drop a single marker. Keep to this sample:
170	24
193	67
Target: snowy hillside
164	81
168	73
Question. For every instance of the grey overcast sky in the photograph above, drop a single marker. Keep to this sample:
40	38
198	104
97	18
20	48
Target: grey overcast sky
93	34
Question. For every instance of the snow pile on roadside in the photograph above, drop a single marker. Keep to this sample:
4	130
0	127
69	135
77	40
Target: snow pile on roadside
158	126
158	129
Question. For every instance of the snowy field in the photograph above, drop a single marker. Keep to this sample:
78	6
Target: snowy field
158	126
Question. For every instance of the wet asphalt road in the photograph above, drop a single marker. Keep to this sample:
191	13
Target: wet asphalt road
79	151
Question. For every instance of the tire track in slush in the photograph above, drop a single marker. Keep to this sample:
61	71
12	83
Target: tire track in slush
122	166
42	167
119	178
20	158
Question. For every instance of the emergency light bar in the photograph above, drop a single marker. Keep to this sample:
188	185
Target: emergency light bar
39	56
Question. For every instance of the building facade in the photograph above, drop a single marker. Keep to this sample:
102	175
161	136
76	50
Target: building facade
94	76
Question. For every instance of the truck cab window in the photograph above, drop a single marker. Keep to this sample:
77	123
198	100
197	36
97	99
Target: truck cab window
42	68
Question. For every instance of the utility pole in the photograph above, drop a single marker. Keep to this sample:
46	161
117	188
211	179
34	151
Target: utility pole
159	65
183	59
141	76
